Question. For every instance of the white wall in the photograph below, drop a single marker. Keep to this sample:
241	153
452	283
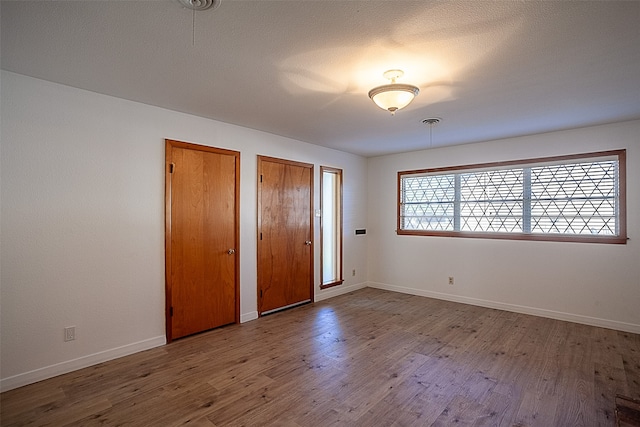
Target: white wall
82	222
596	284
82	228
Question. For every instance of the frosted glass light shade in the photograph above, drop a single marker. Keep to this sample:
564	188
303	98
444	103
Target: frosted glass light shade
394	96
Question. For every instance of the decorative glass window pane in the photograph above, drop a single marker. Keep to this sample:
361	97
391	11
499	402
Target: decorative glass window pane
560	198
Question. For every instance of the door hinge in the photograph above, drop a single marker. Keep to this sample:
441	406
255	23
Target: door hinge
171	167
260	293
171	311
260	236
260	178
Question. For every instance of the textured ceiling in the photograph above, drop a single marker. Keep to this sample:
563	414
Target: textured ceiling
302	69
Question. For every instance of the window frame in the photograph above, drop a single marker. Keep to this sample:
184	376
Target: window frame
621	238
340	279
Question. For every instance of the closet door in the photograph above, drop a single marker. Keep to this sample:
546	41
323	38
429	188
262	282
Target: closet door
285	234
202	211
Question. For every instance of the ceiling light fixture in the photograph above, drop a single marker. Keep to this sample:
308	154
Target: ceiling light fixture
394	96
200	4
431	121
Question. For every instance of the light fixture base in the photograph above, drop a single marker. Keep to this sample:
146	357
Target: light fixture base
393	75
200	4
431	121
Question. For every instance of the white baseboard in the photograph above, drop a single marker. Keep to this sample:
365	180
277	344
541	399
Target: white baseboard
247	317
338	290
40	374
551	314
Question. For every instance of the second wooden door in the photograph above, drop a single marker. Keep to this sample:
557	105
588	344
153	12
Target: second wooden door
285	233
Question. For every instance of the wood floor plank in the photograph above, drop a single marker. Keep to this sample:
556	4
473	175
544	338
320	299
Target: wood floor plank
630	352
500	410
461	411
609	381
578	403
367	358
367	392
537	409
26	400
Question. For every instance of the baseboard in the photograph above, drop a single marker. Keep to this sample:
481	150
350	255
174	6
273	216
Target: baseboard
338	290
247	317
551	314
40	374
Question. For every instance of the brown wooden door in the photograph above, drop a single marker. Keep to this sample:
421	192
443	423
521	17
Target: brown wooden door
202	197
285	233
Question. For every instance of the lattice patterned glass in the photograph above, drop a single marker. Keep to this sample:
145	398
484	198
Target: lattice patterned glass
491	201
578	198
427	202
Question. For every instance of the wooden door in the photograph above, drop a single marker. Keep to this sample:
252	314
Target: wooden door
202	210
285	233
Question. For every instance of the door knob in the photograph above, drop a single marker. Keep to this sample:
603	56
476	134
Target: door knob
308	243
231	251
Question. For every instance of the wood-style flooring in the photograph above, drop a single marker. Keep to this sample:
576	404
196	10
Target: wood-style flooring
368	358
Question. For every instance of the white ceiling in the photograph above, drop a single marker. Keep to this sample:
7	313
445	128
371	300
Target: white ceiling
303	68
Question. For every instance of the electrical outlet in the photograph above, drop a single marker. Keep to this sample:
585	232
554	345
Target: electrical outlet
353	272
451	280
70	333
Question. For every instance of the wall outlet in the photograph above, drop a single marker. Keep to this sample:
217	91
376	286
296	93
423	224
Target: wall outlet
451	280
70	333
353	272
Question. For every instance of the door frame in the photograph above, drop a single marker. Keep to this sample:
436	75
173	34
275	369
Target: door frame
169	145
259	224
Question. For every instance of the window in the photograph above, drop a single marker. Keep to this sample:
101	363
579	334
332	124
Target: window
331	226
577	198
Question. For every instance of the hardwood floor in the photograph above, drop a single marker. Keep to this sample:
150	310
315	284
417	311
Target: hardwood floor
369	358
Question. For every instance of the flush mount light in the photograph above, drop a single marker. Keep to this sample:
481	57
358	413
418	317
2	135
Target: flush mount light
394	96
